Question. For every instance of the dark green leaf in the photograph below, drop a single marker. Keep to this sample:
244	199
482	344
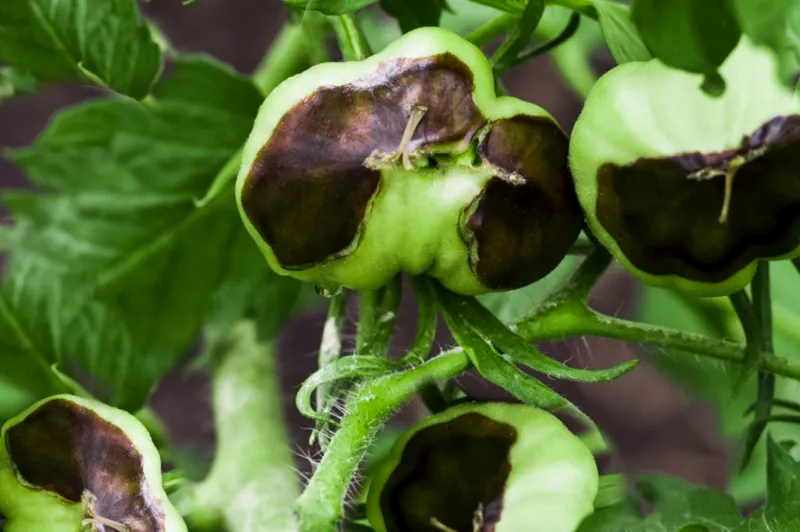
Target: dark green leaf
412	14
331	7
693	35
101	41
519	37
491	364
782	511
121	222
620	33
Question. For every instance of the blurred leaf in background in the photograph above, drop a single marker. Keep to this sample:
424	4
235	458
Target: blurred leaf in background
712	380
114	268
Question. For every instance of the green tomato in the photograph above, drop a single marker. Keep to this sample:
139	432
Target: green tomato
408	162
686	190
491	466
69	464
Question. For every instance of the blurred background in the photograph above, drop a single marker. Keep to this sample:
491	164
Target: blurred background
654	425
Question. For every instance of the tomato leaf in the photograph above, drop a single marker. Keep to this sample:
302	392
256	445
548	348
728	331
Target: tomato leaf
620	33
331	7
782	511
519	36
677	506
693	35
765	22
713	380
116	232
413	14
101	41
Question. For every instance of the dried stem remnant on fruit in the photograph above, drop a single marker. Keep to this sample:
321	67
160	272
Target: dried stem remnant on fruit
664	212
68	449
308	191
432	488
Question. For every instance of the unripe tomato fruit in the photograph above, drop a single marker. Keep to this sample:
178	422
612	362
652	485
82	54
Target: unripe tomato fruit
490	466
407	161
68	463
686	190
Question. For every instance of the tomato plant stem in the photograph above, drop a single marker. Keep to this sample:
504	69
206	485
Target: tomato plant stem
252	484
762	308
320	507
351	40
330	349
492	30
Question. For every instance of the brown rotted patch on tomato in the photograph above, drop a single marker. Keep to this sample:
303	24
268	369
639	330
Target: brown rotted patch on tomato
309	189
447	472
67	449
526	220
667	223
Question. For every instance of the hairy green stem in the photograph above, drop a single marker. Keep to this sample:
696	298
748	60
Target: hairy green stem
320	508
330	349
556	322
252	485
352	42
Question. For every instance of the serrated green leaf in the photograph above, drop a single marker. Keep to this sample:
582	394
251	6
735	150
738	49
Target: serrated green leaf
118	220
331	7
782	510
678	503
102	41
413	14
619	32
693	35
677	506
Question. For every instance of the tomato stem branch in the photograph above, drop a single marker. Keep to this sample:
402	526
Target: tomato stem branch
492	30
320	507
352	43
762	309
329	350
252	485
